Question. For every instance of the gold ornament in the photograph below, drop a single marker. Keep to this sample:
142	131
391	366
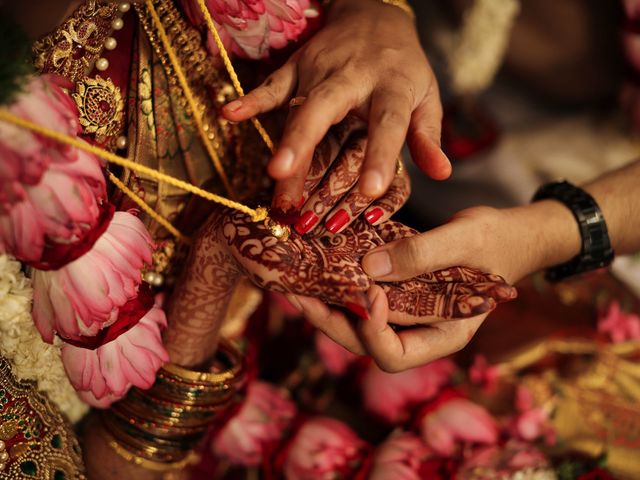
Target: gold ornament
35	439
101	106
278	230
72	49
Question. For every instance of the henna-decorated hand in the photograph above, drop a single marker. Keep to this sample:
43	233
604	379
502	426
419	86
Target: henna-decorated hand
421	305
331	190
324	266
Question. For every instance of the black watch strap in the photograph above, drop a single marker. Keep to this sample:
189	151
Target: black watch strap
596	247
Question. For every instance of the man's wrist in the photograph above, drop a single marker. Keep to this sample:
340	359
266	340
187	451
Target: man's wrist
550	234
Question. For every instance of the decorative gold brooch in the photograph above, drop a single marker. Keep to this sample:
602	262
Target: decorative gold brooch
101	106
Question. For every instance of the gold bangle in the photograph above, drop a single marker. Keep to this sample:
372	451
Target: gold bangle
191	458
234	359
157	428
402	5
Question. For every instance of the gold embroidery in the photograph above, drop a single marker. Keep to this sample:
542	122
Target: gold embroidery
39	441
100	105
72	49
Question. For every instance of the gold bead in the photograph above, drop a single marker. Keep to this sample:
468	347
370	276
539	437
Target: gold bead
110	43
117	24
2	445
102	64
281	232
124	7
121	142
153	278
4	456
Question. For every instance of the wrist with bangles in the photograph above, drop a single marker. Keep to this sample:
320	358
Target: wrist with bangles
158	428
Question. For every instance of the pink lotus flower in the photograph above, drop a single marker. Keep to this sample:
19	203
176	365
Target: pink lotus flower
619	325
261	422
531	422
483	374
133	358
61	208
390	395
249	28
323	448
24	156
49	192
456	421
84	296
335	357
399	457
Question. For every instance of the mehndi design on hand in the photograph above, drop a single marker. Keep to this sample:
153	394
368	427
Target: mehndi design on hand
328	267
332	193
320	265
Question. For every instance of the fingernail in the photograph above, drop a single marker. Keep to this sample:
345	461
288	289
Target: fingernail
306	222
374	215
283	160
371	184
337	221
233	106
358	310
377	264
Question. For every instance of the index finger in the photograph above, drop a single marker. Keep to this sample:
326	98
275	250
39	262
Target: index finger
325	105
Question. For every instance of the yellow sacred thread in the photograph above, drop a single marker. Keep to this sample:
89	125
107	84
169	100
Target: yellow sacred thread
232	73
150	211
257	214
193	105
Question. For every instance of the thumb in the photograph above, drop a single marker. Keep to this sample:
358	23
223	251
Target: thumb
409	257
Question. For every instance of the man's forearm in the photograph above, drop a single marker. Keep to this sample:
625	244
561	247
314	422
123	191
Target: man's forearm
547	234
618	195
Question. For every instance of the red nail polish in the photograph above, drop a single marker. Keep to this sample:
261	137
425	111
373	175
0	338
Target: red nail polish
306	222
358	310
374	215
302	200
339	220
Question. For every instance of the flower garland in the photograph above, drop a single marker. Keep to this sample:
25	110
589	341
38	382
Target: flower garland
87	259
475	53
21	344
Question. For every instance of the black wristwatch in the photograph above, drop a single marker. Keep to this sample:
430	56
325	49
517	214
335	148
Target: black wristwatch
596	247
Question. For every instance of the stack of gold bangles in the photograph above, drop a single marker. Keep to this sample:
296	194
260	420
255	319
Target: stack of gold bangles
158	428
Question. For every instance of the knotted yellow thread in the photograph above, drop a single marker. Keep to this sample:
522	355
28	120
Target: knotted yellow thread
193	105
232	73
257	214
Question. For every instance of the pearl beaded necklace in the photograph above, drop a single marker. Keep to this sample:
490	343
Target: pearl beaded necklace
110	43
102	63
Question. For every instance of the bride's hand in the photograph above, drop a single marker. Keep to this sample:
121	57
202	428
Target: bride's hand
328	268
367	59
330	190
